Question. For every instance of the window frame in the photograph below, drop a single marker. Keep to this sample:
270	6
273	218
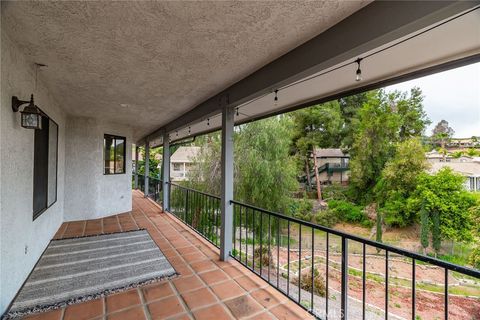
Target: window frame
37	214
114	138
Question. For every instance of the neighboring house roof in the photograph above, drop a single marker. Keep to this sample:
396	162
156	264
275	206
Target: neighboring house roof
185	154
470	169
330	153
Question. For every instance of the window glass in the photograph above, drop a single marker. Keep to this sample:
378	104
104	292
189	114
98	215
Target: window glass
114	154
52	162
45	166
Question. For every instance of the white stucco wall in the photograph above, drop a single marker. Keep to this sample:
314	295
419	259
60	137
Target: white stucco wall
90	194
18	231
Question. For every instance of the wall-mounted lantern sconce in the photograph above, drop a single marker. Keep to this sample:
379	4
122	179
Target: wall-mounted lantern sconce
31	115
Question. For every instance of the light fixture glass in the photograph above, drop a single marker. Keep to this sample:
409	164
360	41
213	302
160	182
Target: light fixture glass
31	115
358	76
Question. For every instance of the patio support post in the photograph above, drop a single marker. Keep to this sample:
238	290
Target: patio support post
166	171
147	166
136	166
226	231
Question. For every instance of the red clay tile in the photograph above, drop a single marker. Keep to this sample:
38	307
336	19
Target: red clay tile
158	291
262	316
165	308
136	313
198	298
227	290
265	298
248	283
83	311
203	265
122	300
284	312
184	284
234	271
214	276
216	312
243	306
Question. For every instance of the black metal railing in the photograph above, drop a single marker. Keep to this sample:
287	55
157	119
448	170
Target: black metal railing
317	267
331	274
155	189
199	210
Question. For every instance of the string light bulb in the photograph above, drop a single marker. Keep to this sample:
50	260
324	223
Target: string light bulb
275	100
176	133
208	122
237	112
358	76
189	130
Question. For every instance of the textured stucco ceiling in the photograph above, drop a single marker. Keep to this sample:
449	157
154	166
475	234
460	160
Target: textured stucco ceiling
146	63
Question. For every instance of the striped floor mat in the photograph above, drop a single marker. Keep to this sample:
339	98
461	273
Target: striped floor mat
81	269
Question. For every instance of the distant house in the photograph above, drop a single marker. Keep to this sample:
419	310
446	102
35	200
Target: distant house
463	143
470	170
435	156
333	166
181	162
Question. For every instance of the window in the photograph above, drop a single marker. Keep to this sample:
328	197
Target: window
114	154
176	167
45	158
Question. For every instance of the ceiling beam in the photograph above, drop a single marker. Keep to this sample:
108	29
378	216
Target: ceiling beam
373	26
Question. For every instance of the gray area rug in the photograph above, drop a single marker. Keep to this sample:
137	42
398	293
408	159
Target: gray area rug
80	269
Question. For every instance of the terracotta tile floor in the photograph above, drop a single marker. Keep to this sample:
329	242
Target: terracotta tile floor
205	289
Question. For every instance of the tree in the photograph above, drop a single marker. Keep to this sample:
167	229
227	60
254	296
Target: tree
349	107
372	146
444	193
436	233
410	108
384	120
399	180
441	134
425	227
316	126
264	172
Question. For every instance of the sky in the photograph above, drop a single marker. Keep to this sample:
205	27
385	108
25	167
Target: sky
452	95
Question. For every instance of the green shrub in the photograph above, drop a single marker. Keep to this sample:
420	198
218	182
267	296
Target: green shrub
334	192
319	287
474	258
326	218
347	211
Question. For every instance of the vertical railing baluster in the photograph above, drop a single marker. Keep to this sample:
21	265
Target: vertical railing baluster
253	229
235	219
326	275
246	237
288	259
269	246
364	269
278	251
414	296
299	262
312	286
240	247
386	284
186	207
261	242
344	290
446	294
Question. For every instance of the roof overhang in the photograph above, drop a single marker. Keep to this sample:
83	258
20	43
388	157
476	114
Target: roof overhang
397	41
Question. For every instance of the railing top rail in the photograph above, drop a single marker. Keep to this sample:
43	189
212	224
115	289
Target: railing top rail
409	254
190	189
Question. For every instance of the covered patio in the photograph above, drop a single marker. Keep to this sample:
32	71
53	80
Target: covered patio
206	288
96	80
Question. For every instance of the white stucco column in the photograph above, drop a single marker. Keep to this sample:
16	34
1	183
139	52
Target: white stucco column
166	171
136	166
147	166
227	183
